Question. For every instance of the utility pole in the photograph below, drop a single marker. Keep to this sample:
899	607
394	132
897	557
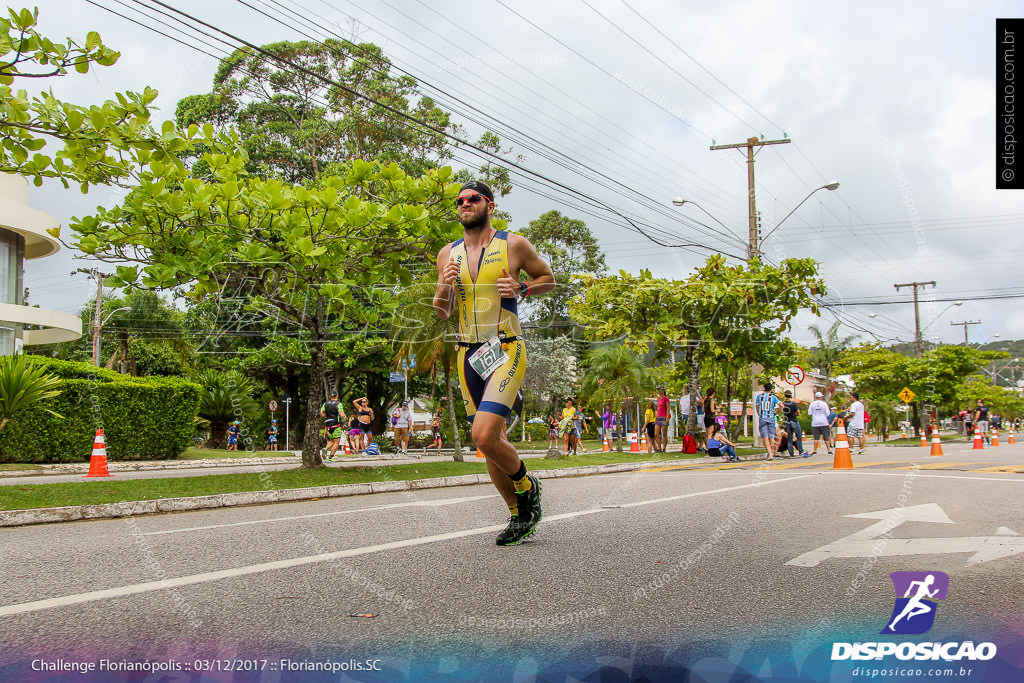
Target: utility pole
965	323
918	345
97	310
753	248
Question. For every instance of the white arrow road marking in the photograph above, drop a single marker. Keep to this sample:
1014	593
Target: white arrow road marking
121	591
866	543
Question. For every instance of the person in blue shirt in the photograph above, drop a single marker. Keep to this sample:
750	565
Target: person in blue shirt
719	446
833	420
233	431
272	436
767	405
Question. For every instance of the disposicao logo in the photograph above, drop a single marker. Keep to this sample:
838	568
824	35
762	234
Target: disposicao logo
916	595
913	613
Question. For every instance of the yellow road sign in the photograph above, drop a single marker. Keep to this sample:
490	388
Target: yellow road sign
906	395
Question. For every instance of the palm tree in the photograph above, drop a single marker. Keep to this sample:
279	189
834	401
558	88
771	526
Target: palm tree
884	416
614	375
227	396
23	383
429	341
826	353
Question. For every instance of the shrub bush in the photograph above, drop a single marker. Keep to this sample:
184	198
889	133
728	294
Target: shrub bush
142	417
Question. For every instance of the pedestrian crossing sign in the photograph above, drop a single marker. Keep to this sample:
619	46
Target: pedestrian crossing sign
907	395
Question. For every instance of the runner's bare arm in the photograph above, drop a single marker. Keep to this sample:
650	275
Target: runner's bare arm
522	256
447	270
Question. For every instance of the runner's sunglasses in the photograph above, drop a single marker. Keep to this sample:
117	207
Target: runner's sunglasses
472	199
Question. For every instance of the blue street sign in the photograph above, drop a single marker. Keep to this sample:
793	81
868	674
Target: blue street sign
397	377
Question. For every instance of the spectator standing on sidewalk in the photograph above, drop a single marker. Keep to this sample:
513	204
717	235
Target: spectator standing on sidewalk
649	423
791	412
684	411
767	405
820	422
402	427
710	410
855	417
981	420
579	422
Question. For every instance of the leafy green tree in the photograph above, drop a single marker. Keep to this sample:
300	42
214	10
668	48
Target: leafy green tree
572	251
22	384
935	377
731	314
94	145
297	125
999	400
828	350
311	257
146	340
551	371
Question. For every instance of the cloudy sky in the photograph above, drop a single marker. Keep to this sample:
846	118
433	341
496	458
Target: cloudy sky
621	100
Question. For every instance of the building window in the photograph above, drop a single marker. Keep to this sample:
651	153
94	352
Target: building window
12	258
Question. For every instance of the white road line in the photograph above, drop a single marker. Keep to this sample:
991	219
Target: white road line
134	589
905	474
422	503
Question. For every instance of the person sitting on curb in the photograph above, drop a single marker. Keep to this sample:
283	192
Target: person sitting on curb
720	446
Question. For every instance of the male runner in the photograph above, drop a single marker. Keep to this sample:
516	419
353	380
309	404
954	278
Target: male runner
478	280
333	420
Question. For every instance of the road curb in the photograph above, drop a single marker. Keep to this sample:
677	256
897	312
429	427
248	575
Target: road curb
73	513
116	466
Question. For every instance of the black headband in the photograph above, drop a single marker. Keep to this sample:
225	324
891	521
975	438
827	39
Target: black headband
479	187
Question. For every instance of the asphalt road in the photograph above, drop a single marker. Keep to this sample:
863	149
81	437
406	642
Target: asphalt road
711	568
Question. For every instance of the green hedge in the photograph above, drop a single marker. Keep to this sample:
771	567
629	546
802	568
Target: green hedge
142	417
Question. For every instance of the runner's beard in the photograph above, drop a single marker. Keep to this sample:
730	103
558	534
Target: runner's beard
473	222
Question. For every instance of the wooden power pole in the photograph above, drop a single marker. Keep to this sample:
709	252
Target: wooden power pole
753	248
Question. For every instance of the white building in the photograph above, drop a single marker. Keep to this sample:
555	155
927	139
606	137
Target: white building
23	236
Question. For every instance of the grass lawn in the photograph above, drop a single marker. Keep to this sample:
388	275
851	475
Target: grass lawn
21	497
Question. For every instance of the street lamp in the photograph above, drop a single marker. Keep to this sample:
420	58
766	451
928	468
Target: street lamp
679	201
96	334
830	186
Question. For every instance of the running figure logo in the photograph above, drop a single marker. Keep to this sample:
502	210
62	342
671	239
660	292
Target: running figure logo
916	593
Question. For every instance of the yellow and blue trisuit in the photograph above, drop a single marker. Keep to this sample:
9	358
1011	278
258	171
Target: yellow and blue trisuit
483	315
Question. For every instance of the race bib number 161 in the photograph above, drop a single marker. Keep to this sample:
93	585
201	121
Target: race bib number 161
488	358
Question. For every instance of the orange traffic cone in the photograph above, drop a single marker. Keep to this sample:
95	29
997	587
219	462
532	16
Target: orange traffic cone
98	461
634	445
904	433
978	445
995	438
643	441
936	441
348	448
1011	441
479	454
607	445
842	461
924	439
